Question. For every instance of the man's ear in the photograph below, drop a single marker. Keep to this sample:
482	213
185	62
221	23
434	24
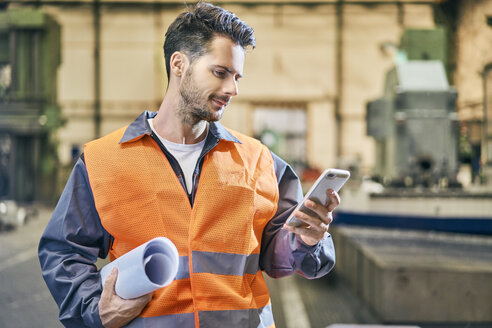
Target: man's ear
178	63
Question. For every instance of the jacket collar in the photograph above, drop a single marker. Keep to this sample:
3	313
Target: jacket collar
140	127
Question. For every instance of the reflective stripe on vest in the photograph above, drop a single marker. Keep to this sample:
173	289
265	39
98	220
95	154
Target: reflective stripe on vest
219	263
212	319
138	197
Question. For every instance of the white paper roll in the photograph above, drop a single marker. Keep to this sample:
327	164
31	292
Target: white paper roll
144	269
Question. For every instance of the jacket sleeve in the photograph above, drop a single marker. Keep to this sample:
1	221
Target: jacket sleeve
68	250
282	252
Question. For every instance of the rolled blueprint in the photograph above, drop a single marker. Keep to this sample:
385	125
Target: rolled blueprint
144	269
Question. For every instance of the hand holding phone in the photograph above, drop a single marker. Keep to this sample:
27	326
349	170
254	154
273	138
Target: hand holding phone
329	179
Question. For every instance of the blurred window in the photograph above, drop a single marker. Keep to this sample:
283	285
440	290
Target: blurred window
283	129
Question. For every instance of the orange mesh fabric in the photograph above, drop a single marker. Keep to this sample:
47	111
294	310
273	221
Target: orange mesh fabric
126	181
138	197
234	292
173	299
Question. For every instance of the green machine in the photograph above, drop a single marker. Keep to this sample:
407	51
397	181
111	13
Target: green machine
29	114
425	44
415	124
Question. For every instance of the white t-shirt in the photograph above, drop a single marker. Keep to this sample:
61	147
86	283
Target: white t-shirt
186	154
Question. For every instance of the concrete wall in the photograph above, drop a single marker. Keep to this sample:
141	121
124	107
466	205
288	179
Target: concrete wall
304	55
418	277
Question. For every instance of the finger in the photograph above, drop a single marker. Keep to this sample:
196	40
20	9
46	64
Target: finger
297	230
313	234
315	224
320	222
309	220
333	200
111	280
108	288
320	210
330	218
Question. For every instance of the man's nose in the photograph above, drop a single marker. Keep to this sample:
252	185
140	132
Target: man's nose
230	87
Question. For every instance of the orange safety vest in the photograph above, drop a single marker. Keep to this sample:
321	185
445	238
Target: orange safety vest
138	197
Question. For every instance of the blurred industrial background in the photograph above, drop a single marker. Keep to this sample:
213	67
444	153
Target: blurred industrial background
399	92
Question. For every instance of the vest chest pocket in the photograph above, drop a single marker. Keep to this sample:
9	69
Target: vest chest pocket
223	217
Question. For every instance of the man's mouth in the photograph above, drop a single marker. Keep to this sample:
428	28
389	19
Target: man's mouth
220	102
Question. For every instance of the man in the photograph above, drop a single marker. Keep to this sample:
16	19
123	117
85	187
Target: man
220	196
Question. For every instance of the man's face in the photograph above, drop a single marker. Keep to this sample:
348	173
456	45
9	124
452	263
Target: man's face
210	82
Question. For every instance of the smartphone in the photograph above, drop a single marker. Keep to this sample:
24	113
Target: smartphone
329	179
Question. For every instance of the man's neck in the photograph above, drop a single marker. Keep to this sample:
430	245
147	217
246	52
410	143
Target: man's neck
172	127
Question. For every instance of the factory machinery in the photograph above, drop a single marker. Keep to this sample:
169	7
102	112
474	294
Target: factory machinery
415	127
416	132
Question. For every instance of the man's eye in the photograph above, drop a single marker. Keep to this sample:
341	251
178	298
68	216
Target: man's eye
219	73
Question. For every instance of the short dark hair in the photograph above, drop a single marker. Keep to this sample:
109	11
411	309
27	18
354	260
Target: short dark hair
192	31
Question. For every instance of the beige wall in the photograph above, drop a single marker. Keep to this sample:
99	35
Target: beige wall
473	52
75	76
294	57
295	61
132	69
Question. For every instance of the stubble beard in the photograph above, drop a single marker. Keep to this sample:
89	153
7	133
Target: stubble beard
192	107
